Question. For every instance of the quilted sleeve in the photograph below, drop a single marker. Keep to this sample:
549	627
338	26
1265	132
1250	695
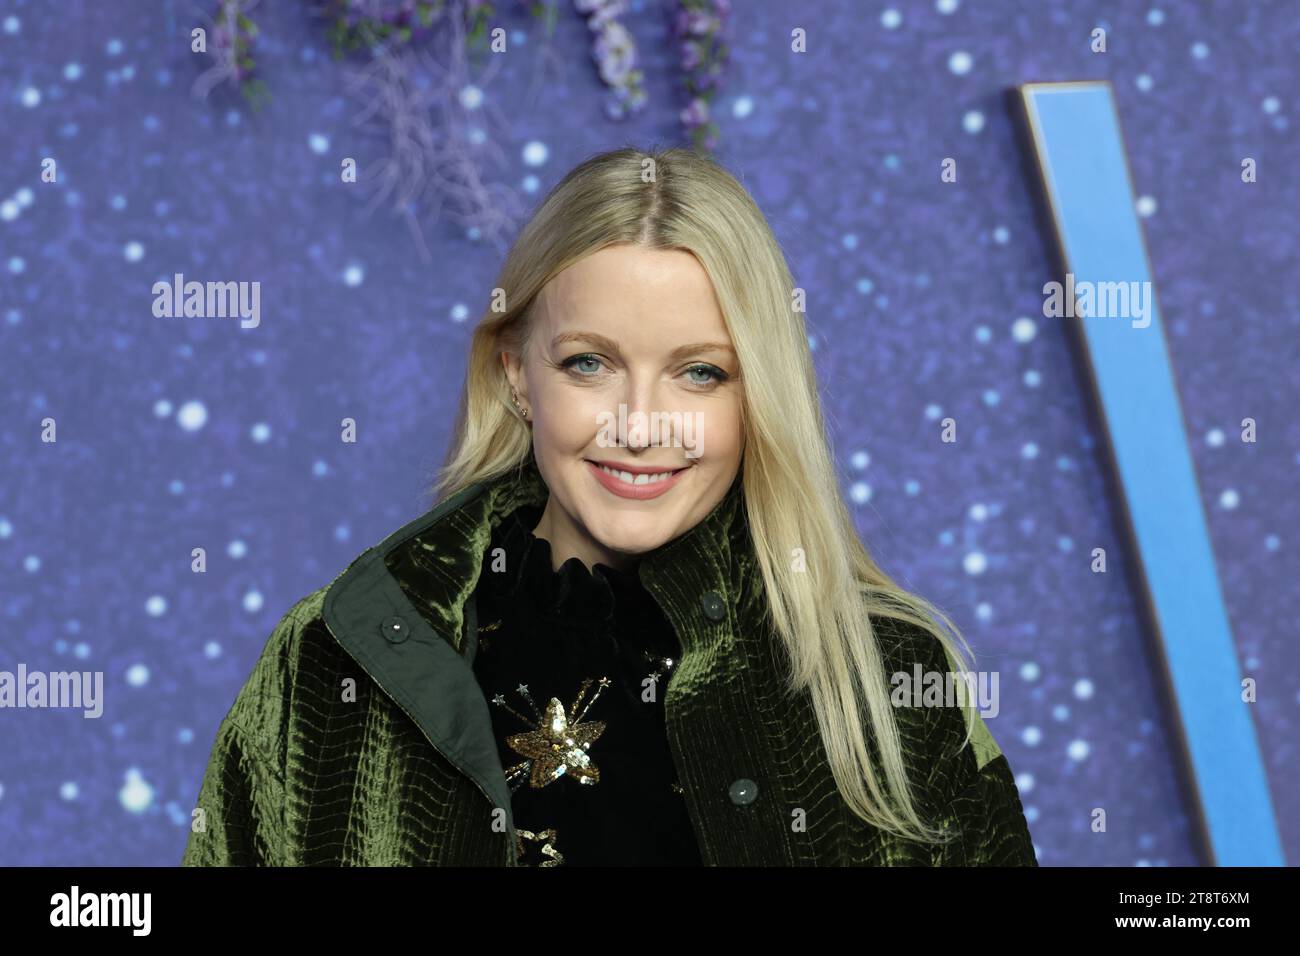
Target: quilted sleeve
986	803
238	819
992	820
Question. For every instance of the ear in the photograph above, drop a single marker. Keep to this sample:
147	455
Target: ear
515	373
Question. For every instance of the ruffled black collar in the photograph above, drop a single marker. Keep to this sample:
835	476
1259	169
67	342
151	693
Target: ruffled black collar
571	593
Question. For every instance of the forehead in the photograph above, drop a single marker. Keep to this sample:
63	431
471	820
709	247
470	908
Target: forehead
634	293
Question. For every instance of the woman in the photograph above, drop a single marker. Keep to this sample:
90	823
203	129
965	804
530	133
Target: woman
639	626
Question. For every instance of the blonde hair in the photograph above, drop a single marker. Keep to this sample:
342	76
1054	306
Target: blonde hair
678	199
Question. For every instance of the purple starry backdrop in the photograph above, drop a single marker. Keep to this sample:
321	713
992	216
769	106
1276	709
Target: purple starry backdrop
924	302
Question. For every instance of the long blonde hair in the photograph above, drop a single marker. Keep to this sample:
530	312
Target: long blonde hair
678	199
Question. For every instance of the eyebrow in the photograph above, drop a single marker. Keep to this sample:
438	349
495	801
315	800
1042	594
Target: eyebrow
610	345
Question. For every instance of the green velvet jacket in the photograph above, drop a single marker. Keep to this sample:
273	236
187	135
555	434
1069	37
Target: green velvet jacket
361	736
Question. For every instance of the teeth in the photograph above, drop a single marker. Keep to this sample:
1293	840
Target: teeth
628	478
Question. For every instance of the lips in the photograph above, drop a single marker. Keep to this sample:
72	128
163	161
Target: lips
642	484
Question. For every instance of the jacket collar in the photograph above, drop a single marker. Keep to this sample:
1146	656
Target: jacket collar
405	610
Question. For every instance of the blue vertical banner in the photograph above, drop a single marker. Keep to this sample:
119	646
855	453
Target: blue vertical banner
1108	290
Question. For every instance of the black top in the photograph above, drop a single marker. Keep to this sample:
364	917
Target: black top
563	659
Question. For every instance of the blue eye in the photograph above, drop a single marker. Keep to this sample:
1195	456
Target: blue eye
569	363
715	374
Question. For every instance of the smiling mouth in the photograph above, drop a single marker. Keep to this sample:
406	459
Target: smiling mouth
638	478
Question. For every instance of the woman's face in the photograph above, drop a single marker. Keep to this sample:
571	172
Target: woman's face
634	335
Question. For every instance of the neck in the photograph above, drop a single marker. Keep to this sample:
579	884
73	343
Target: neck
567	542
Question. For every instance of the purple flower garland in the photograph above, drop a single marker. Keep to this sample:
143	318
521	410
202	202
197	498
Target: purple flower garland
614	51
702	28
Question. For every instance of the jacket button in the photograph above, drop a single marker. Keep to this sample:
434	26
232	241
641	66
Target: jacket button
743	791
714	608
394	629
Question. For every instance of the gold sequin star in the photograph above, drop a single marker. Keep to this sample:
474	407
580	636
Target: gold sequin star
559	744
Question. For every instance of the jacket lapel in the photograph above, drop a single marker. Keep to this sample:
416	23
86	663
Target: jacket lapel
405	611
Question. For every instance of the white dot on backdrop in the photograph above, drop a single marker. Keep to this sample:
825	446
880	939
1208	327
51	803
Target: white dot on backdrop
1025	782
135	795
1229	499
860	492
912	486
253	602
1001	235
974	563
890	19
211	650
933	411
1083	688
1061	712
1029	671
133	251
1214	437
1078	749
1271	104
31	564
185	735
6	529
137	675
12	24
459	312
68	791
318	143
192	416
236	549
946	6
1144	82
156	606
17	265
81	649
1200	50
1155	17
471	97
743	106
320	469
1031	736
960	63
8	210
31	97
984	611
162	408
983	334
113	47
978	512
72	72
353	275
1024	329
535	153
260	432
1032	378
973	121
860	460
1146	206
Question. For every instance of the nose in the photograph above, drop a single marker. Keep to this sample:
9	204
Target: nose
648	421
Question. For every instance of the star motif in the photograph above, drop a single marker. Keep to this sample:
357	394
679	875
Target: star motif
558	747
